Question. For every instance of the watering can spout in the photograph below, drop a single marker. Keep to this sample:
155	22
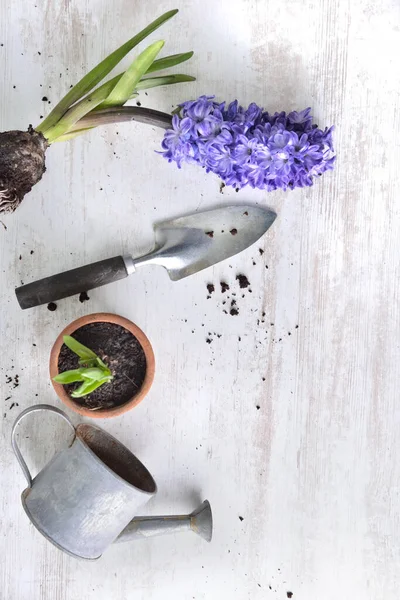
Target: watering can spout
199	521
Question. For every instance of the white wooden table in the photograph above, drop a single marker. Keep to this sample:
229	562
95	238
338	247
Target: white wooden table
291	432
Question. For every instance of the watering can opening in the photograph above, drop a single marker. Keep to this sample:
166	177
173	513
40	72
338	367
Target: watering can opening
116	457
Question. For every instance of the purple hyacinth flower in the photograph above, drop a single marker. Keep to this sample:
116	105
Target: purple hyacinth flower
300	121
210	126
249	146
244	149
199	110
219	159
282	162
264	157
256	176
252	114
180	132
231	111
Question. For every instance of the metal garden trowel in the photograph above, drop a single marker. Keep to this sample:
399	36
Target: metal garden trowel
183	246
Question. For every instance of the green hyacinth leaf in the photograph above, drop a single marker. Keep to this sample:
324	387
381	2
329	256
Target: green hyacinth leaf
93	374
69	377
91	79
127	84
88	387
169	61
101	364
78	348
149	82
77	112
71	135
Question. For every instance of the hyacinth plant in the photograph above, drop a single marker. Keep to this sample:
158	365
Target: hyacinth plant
241	146
91	373
249	146
85	106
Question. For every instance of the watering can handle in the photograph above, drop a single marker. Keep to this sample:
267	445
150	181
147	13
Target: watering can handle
17	451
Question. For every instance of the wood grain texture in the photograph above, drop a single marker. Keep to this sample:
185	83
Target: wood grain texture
314	472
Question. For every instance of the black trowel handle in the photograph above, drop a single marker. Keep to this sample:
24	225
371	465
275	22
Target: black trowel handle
71	282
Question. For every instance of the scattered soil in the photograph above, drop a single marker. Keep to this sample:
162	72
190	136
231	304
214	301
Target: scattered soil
120	350
233	231
234	311
243	281
210	234
83	297
246	214
221	187
44	99
289	594
224	287
52	306
261	251
241	518
210	288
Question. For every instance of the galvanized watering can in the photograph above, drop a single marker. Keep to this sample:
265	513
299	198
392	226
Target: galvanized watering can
85	497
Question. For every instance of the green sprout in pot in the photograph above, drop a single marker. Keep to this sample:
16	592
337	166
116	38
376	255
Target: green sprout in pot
85	106
92	371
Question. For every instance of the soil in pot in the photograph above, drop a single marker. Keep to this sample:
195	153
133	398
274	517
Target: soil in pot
120	350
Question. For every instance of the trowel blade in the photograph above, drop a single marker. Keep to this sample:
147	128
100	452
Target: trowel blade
191	243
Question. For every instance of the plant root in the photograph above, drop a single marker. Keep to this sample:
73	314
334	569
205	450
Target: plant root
22	164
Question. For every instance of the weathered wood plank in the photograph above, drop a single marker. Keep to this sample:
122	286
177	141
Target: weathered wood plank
314	471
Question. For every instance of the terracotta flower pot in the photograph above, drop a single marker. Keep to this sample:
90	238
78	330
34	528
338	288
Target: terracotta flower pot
136	398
